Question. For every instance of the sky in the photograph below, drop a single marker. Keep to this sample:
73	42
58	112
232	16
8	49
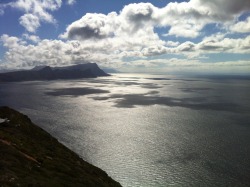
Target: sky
196	36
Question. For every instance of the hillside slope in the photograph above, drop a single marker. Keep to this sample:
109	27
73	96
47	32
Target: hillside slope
29	156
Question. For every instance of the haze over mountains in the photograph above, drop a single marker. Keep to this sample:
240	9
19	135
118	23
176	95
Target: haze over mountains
88	70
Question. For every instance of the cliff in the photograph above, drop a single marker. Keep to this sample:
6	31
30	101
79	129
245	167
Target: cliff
32	157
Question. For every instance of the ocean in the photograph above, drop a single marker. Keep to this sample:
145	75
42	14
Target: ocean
147	130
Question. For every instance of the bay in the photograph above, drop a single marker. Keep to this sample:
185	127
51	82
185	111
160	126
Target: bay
147	130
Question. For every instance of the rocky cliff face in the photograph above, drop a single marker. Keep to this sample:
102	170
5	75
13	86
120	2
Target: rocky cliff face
32	157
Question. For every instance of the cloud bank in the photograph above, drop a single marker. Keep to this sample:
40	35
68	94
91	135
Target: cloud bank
129	39
35	12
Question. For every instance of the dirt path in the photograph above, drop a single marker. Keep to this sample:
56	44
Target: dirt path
8	143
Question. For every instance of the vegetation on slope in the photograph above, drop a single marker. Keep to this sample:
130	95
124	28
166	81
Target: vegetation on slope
29	156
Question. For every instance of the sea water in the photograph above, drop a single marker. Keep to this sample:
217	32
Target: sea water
147	130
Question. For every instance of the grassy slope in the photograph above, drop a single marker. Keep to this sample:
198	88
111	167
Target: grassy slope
29	156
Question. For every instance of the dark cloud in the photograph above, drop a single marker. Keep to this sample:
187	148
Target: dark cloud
138	14
210	47
91	26
141	16
85	32
227	6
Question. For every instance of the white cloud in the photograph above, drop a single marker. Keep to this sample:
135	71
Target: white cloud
184	30
224	8
11	42
110	50
156	50
37	6
2	7
71	2
186	47
111	39
135	17
185	19
242	26
30	22
183	65
1	11
35	12
90	26
33	38
229	45
172	44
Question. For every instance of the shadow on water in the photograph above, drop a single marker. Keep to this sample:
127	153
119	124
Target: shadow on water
196	103
75	91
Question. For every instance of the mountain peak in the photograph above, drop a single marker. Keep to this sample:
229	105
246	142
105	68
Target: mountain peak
88	70
37	68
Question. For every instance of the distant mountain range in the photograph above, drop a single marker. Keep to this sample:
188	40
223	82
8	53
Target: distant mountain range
88	70
110	70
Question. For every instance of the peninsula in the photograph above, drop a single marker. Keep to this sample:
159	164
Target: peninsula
87	70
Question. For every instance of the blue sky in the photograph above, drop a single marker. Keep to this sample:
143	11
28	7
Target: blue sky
134	36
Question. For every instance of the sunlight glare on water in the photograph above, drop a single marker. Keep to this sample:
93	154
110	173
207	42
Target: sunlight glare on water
147	130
